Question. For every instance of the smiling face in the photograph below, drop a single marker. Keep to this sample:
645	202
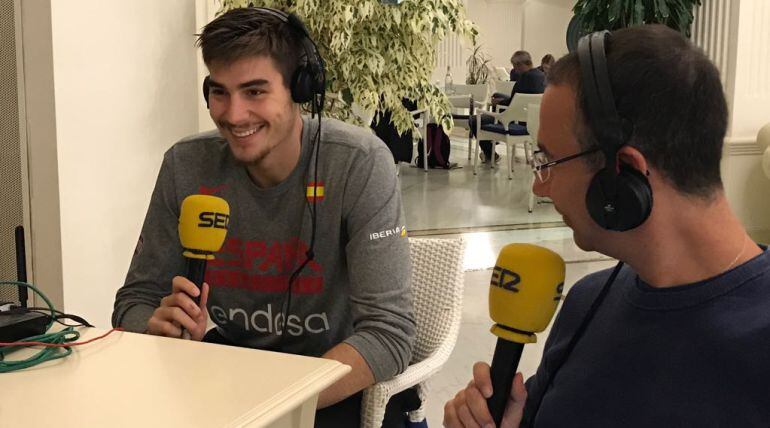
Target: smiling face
253	108
567	182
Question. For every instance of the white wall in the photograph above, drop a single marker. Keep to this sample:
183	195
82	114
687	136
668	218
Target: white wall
545	28
733	33
125	90
39	127
500	24
505	26
751	102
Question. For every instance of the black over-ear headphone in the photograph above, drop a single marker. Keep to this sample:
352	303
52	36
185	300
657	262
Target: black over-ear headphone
308	83
619	197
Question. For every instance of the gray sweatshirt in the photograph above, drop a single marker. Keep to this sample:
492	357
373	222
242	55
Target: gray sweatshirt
357	290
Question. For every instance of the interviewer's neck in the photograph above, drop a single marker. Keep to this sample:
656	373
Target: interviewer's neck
687	240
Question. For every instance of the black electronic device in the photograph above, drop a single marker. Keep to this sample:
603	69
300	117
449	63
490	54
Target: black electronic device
619	197
19	323
16	325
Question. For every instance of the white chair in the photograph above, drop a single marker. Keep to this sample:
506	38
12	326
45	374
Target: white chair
504	87
507	130
437	286
502	74
465	100
533	127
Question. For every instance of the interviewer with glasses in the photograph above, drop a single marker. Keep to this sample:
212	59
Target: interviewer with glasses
678	333
541	164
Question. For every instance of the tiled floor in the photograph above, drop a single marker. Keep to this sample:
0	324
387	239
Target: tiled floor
452	199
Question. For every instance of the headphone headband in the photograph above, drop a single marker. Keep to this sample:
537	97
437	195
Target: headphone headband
602	114
619	197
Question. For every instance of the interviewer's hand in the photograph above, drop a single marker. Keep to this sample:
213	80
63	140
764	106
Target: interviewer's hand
179	310
469	407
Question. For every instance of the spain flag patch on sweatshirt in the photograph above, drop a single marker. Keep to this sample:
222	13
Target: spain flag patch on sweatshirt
315	191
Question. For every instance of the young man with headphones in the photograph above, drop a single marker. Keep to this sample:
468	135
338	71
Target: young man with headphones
678	334
316	260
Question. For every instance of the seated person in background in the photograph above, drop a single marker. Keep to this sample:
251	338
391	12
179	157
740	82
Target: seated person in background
532	81
545	64
682	335
352	302
514	73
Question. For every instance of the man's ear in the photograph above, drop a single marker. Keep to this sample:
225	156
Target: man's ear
633	158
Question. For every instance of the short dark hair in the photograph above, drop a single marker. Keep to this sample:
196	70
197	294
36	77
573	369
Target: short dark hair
251	32
672	96
522	58
547	59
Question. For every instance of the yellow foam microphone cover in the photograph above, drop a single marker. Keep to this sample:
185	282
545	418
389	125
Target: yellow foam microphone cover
203	222
526	287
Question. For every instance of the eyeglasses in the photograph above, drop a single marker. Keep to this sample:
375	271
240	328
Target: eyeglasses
541	165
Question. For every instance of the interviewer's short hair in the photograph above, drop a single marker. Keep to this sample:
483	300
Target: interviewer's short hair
672	96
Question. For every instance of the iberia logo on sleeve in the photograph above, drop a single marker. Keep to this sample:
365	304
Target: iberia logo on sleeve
396	231
315	191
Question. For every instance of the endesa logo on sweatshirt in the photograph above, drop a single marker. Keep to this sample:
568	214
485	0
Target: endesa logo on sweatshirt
264	266
399	231
270	320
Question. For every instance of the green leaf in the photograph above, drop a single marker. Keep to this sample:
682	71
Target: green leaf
614	11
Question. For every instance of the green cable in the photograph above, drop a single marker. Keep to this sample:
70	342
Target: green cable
67	335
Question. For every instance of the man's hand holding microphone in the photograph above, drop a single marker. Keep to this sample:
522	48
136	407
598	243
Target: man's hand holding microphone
203	222
526	287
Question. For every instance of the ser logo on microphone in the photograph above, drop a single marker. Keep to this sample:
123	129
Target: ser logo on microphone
505	279
212	219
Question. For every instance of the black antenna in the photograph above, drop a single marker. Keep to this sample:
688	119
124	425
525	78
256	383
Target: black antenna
21	265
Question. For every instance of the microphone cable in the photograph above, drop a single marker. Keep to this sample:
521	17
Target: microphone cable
315	109
55	345
551	375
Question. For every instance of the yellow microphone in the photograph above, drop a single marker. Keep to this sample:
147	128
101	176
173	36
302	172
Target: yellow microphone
526	287
203	222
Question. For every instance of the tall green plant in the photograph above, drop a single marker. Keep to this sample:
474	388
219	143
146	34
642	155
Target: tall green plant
598	15
478	67
377	54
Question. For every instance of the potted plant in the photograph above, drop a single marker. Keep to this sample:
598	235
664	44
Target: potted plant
478	67
613	14
378	54
596	15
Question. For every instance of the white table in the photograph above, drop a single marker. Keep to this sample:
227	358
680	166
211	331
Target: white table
136	380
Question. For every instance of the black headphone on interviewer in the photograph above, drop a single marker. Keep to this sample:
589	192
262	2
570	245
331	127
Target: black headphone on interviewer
308	85
619	197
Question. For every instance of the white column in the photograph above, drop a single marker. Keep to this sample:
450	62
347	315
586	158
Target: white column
734	34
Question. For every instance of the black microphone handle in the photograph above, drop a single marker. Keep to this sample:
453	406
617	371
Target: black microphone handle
196	271
504	365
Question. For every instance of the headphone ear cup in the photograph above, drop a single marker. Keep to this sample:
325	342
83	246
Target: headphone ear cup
631	205
601	210
302	85
635	197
